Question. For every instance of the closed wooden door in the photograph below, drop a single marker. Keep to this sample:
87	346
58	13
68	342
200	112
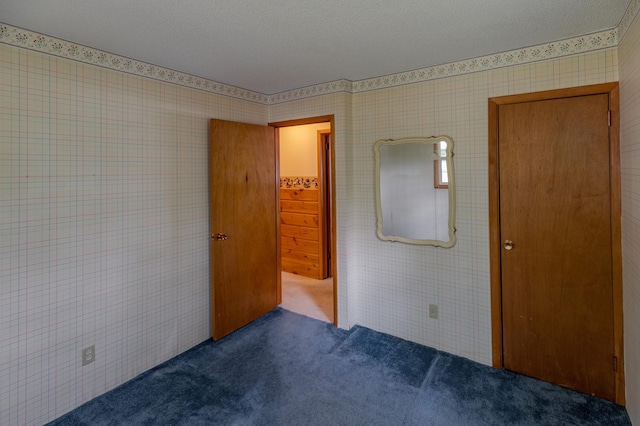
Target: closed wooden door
244	243
555	227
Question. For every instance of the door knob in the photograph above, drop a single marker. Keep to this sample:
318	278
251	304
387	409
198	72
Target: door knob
508	245
219	237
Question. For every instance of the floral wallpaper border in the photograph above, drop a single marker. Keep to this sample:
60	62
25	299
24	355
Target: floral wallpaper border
41	43
64	49
307	182
628	18
310	91
582	44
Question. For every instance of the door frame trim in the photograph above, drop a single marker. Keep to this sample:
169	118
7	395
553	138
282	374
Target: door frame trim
315	120
323	203
612	90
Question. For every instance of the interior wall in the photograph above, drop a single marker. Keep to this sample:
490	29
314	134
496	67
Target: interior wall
299	150
397	282
104	227
629	54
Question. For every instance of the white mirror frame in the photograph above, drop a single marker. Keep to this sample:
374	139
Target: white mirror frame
450	189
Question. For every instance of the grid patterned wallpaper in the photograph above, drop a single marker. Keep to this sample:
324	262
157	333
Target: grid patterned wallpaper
395	283
629	53
103	227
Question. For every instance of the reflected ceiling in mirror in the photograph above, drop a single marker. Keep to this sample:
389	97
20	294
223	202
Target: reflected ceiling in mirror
415	191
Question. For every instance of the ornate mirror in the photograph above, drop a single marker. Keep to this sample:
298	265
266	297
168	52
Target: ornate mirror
415	191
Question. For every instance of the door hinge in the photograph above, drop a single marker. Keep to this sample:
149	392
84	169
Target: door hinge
609	119
327	146
615	363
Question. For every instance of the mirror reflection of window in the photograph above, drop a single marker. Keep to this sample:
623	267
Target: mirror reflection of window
441	177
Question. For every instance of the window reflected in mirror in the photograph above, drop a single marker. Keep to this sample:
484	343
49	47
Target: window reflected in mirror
440	176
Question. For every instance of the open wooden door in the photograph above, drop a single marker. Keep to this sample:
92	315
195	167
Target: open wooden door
244	220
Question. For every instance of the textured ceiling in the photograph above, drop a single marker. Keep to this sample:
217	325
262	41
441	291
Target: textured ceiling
277	45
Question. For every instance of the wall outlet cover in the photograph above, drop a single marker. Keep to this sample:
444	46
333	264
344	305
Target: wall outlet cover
433	311
88	355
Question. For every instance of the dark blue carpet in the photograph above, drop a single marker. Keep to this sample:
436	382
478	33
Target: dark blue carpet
287	369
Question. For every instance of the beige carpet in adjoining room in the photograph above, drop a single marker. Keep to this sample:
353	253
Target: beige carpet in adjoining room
306	296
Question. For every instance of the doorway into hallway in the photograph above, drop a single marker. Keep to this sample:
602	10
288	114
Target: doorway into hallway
307	217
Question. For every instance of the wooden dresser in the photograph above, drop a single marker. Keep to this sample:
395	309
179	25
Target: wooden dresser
301	232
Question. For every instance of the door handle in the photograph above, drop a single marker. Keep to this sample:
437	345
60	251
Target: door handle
219	237
508	245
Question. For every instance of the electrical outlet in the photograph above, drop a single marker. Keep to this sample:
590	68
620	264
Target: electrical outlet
433	311
88	355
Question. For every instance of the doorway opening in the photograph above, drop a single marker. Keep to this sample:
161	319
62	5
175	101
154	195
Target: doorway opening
307	217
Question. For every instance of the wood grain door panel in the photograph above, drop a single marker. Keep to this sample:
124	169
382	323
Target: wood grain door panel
243	207
555	205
